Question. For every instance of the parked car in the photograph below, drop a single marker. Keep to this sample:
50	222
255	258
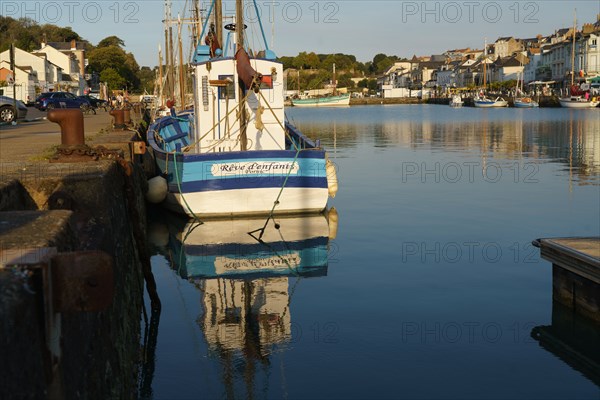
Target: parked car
51	100
94	101
8	112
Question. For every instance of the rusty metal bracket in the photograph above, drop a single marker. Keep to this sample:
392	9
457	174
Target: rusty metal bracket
70	282
82	281
138	147
76	281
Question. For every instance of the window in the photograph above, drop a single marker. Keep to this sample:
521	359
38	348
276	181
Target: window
227	92
266	82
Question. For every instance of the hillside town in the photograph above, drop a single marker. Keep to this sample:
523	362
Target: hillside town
540	64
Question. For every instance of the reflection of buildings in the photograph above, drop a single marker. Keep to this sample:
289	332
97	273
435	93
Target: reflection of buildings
246	315
572	141
247	285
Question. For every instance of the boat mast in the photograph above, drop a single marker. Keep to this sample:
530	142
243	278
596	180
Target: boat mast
197	26
218	15
334	81
573	49
239	30
160	76
485	64
181	65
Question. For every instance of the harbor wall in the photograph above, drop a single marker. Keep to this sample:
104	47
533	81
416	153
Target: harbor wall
73	209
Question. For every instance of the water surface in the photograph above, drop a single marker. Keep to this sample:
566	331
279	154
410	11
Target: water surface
431	287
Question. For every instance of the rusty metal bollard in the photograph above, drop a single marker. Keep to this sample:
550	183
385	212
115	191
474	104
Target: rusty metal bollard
119	119
71	125
127	115
72	136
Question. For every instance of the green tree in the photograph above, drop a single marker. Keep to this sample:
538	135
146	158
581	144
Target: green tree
114	57
345	80
112	78
147	78
111	41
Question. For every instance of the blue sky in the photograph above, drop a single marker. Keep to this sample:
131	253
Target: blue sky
363	28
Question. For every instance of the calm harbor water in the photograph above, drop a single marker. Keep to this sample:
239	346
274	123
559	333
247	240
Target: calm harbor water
430	288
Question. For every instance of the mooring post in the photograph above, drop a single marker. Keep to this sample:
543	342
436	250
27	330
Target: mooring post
119	119
71	125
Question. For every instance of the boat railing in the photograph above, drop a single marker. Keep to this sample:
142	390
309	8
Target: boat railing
299	141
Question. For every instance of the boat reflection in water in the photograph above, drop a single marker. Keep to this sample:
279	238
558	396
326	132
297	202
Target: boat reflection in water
246	279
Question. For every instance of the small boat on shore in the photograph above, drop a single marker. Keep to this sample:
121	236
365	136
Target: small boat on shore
456	101
235	154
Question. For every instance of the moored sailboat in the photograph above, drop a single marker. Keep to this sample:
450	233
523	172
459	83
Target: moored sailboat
578	97
235	154
481	100
325	101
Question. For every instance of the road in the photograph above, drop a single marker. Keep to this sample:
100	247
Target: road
30	139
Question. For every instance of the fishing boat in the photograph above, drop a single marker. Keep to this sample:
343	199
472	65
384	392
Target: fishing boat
334	100
456	101
235	153
579	97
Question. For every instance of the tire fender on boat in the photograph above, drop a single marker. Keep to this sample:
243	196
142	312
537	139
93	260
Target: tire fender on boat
332	181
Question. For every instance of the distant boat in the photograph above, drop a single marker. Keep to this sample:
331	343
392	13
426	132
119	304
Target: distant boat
523	101
328	101
579	96
482	101
456	101
579	102
526	102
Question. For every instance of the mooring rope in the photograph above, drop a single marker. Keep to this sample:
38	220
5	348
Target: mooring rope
276	202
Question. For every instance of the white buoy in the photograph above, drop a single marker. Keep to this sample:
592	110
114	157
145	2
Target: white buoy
332	182
157	190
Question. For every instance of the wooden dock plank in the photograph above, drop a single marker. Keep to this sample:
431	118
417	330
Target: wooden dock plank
578	255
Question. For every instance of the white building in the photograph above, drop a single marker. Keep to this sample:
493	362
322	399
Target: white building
48	74
587	59
70	66
25	82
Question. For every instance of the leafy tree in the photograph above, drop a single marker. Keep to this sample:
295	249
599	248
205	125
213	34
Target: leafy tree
306	60
114	57
372	85
345	80
111	41
288	62
112	78
147	77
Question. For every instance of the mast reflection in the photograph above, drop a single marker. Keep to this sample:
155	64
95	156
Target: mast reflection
247	284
